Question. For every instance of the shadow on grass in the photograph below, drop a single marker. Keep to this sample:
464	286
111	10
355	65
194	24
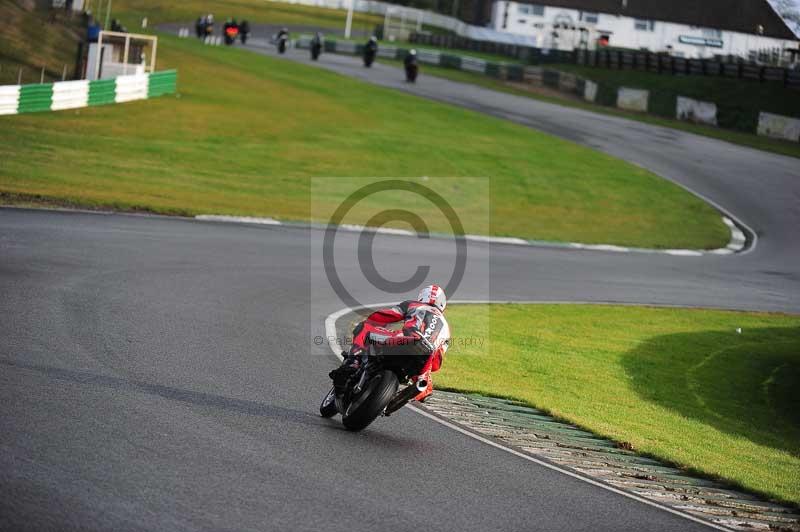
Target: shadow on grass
746	385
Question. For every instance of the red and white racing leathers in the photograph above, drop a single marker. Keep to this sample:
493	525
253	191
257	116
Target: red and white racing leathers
420	320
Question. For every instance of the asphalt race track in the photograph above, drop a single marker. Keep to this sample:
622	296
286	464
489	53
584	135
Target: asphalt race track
161	373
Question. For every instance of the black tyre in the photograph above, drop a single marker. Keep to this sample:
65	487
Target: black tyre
371	402
328	406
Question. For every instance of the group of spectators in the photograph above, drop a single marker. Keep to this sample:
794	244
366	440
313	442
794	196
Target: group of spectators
204	27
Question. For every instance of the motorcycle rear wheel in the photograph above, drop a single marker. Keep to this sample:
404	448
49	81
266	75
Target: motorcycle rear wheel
372	401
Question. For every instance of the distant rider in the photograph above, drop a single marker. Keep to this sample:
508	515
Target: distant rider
410	59
371	48
425	332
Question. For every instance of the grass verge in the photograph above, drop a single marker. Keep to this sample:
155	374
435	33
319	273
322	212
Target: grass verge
261	11
33	40
781	147
677	384
248	131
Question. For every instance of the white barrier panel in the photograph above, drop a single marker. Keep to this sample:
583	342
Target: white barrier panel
348	47
473	65
632	99
590	91
429	56
778	127
696	111
9	99
131	88
389	52
70	95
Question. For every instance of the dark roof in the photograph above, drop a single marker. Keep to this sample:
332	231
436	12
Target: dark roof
734	15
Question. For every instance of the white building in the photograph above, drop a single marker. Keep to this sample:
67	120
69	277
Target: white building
688	28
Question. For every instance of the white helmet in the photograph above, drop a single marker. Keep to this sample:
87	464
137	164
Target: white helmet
433	295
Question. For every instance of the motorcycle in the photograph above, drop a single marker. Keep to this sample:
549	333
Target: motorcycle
316	49
369	57
231	33
411	73
374	389
282	40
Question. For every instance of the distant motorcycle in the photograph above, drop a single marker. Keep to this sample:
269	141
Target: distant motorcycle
244	31
281	40
373	390
231	33
316	46
411	66
370	51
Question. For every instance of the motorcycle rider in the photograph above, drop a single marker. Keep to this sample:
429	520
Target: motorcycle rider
244	31
370	50
317	42
425	332
281	39
410	63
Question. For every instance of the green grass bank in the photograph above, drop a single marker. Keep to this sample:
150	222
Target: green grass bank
678	384
248	132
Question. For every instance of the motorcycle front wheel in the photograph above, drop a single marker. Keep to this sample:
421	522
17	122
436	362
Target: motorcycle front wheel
369	405
328	406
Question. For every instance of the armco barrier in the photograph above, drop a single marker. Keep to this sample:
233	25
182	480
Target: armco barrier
131	88
33	98
9	99
70	95
162	83
15	99
102	91
510	71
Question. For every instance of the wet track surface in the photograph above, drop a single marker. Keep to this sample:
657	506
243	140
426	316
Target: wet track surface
160	373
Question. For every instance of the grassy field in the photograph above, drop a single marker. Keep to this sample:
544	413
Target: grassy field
740	100
248	131
678	384
55	45
261	11
791	149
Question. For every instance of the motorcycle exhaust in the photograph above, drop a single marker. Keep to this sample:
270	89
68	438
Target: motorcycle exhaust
422	385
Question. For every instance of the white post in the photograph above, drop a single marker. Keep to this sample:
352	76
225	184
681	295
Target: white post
108	14
125	56
99	56
349	24
153	57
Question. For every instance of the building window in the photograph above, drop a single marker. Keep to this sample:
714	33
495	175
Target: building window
588	17
530	9
644	25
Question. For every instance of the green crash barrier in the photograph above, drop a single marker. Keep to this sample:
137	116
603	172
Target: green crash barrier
69	95
35	98
102	91
161	83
